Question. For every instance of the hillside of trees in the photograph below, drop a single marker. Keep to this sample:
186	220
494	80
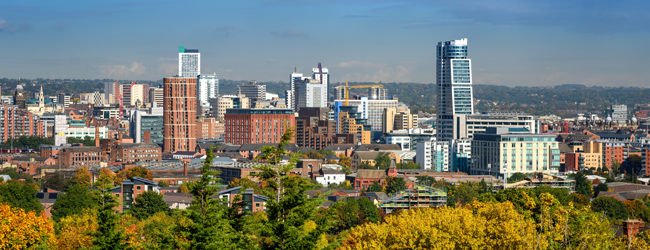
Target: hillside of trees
564	100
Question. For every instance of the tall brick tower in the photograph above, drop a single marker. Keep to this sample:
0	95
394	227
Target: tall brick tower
179	114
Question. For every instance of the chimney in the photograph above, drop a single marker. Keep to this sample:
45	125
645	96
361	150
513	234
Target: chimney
631	227
119	138
184	168
146	138
96	136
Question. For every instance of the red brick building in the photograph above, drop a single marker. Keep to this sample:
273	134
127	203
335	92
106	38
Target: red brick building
572	161
16	123
136	152
179	117
613	152
247	126
209	128
30	165
80	157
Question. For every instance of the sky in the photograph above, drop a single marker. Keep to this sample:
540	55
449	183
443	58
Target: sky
510	42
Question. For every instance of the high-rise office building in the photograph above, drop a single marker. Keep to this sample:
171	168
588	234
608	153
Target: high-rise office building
252	91
156	95
141	121
453	85
323	78
373	110
179	114
619	113
135	94
311	94
207	88
377	93
109	93
189	62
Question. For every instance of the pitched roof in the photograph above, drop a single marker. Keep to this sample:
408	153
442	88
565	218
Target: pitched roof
331	157
379	147
339	147
138	145
324	171
27	158
83	149
370	155
370	174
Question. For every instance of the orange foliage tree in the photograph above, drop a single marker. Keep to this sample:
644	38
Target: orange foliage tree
21	230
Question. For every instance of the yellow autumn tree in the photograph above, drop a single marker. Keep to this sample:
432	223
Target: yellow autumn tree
82	177
493	226
21	230
76	230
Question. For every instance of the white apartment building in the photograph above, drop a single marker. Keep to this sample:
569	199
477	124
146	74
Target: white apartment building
311	93
207	88
514	150
433	155
189	62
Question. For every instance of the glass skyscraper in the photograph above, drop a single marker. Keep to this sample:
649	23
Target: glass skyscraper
453	86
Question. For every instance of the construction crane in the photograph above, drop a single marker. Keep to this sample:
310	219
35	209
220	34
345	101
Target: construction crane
347	90
119	96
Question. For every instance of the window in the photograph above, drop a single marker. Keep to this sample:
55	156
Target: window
138	188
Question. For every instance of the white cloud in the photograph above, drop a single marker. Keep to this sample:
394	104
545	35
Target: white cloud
359	64
122	71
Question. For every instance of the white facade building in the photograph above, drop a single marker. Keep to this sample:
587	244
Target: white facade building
453	85
135	94
433	155
619	114
207	88
503	150
82	132
330	176
310	94
60	130
189	62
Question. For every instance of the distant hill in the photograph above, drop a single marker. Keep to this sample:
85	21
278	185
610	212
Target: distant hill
564	100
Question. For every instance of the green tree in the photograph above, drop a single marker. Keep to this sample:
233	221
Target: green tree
17	176
291	212
55	181
633	164
21	195
375	187
602	187
465	193
209	227
369	210
382	162
109	234
147	204
74	202
408	165
583	185
394	185
516	177
366	165
163	184
612	207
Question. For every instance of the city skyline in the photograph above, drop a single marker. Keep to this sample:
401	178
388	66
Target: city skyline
513	43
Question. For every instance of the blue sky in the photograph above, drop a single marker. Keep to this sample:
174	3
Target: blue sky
513	43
